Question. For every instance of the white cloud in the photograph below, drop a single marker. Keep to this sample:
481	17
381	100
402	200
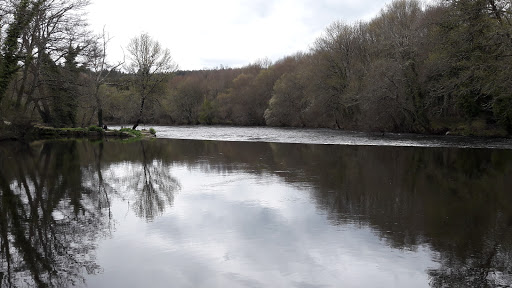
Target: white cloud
205	34
244	230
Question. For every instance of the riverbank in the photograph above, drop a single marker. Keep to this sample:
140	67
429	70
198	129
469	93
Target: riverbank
477	127
40	132
446	136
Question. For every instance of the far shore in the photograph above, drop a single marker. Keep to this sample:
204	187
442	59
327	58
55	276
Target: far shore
41	132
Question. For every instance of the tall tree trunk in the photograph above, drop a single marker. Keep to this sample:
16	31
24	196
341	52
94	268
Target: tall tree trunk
44	112
99	104
22	87
35	85
100	117
140	113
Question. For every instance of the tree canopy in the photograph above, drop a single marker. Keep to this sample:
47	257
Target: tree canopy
412	68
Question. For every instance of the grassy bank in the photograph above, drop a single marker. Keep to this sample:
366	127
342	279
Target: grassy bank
38	132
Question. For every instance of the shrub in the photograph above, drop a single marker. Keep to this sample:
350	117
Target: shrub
502	109
152	131
135	133
95	129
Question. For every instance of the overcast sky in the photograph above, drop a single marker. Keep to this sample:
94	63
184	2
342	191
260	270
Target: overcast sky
206	34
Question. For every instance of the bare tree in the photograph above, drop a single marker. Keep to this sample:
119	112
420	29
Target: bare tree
44	43
22	13
150	64
100	69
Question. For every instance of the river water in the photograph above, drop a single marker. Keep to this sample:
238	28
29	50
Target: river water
323	136
410	212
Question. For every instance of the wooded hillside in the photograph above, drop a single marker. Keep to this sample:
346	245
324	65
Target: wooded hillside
413	68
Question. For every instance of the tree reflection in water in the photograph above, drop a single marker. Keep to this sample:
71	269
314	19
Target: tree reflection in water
56	198
153	185
456	201
55	206
48	232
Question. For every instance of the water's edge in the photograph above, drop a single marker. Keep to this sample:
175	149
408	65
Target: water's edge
324	136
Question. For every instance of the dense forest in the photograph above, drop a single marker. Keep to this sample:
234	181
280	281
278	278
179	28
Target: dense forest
413	68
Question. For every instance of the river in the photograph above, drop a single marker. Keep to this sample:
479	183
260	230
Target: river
323	136
257	207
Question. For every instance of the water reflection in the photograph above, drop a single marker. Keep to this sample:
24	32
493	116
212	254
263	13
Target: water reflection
153	184
453	205
48	232
56	205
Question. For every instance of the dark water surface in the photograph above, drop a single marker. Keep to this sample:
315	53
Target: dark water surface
194	213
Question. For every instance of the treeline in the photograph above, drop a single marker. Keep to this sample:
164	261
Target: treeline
413	68
50	64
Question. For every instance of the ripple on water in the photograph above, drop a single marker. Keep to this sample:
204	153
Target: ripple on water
325	136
